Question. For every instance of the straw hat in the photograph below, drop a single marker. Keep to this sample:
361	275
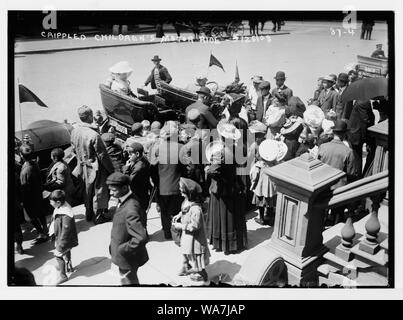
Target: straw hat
313	116
291	125
121	67
272	150
275	117
257	79
256	126
228	130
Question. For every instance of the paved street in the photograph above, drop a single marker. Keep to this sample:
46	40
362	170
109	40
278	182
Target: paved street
92	260
67	80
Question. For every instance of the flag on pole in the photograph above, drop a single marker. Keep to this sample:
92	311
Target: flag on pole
236	72
214	62
27	95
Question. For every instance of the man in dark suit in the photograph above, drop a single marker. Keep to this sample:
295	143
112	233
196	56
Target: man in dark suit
170	169
263	101
328	97
342	109
138	169
203	118
128	235
159	72
281	87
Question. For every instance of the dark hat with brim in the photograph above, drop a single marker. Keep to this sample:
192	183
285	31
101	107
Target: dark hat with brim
343	77
156	58
118	179
340	126
280	75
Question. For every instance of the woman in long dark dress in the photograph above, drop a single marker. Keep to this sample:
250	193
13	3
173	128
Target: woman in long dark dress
226	225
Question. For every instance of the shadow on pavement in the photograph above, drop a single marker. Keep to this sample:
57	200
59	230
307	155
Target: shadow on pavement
40	254
222	271
257	236
91	267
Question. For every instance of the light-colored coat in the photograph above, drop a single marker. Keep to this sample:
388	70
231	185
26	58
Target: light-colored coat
93	165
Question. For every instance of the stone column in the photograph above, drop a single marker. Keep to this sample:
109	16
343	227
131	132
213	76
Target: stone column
299	224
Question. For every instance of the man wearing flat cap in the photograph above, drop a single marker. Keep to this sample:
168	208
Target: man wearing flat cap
206	119
128	235
93	164
264	100
158	73
328	97
138	169
280	86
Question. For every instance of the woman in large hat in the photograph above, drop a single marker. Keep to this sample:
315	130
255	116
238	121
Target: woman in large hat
291	131
271	153
226	226
120	72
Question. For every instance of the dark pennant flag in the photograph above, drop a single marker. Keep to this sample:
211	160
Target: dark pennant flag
27	95
214	62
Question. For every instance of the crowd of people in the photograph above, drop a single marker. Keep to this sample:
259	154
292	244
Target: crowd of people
204	174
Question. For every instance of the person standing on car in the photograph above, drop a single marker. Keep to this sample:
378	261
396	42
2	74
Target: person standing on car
128	235
159	72
93	165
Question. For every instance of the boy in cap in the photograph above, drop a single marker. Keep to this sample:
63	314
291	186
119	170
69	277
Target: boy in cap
114	150
65	232
128	235
280	86
138	169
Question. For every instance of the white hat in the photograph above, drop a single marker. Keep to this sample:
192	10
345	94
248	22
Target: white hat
272	150
213	148
228	130
121	67
313	116
327	126
275	117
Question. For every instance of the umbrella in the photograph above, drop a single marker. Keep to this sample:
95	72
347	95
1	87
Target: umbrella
365	89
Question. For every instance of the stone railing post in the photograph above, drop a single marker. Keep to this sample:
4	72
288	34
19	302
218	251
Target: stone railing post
299	223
